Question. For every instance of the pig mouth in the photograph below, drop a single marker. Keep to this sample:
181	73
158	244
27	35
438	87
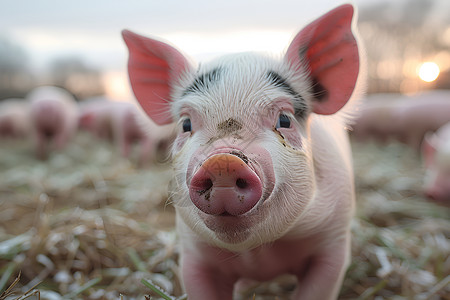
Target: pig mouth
235	229
228	228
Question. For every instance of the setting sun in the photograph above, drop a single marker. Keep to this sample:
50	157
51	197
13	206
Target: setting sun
429	71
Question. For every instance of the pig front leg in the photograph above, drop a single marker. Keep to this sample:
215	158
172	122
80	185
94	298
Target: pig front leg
323	278
204	282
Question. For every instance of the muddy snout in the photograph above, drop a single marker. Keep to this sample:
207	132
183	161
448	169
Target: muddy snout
225	185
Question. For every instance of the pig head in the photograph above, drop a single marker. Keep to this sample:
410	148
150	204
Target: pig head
261	158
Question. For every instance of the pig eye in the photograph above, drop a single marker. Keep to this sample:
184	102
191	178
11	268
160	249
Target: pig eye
283	121
187	125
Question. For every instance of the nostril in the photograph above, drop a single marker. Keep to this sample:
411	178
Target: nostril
208	184
205	185
241	183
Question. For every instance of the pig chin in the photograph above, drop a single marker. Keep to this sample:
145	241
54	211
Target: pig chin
233	229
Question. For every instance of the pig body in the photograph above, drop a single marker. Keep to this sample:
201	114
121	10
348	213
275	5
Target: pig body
402	118
436	154
125	125
14	118
53	117
263	180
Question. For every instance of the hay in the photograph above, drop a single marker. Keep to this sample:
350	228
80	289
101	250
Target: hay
88	224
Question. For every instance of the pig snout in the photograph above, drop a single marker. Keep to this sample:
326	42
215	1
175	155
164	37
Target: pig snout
225	184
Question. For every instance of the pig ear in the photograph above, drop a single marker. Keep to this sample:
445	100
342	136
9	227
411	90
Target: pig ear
328	48
154	67
429	148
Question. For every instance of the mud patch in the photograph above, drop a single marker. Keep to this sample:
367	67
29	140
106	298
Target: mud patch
240	155
229	126
280	137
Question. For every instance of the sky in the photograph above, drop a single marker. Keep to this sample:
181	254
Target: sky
202	29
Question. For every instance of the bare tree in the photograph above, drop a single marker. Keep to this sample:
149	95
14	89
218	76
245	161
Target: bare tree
73	74
399	36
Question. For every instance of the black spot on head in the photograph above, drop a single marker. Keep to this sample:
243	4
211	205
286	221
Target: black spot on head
278	81
320	93
203	81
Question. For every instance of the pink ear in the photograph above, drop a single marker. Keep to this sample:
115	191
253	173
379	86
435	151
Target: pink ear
329	49
429	148
154	67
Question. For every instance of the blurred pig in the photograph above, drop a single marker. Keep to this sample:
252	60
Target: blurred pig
14	118
95	116
436	155
53	118
402	118
129	126
125	125
263	181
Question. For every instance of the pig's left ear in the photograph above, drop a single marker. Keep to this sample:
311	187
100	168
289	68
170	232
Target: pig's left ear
154	68
328	48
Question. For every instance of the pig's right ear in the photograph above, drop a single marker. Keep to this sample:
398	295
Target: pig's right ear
154	68
429	148
329	51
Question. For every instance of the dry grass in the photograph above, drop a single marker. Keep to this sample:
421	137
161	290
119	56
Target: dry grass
88	224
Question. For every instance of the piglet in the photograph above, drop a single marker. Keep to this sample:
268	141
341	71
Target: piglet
436	155
402	118
263	182
124	124
129	127
53	117
14	118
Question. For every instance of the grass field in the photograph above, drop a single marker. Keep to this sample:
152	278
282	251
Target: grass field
88	224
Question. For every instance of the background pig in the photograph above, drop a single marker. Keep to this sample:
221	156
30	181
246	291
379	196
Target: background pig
53	117
264	182
436	154
14	118
129	127
96	117
125	125
405	119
